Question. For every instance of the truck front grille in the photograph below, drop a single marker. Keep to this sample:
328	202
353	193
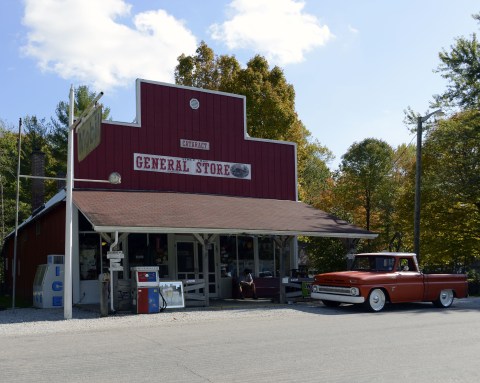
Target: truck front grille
333	290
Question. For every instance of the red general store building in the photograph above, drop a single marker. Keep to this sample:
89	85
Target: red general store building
199	198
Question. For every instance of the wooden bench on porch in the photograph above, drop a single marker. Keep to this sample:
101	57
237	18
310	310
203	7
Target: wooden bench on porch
266	288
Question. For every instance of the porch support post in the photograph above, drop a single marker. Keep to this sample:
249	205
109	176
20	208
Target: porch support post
205	240
282	242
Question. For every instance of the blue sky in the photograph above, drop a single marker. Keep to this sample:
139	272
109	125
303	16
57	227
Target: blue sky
355	65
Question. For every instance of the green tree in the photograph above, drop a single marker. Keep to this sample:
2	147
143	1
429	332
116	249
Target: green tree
451	192
8	171
461	68
453	147
315	181
205	70
326	254
404	185
450	180
365	172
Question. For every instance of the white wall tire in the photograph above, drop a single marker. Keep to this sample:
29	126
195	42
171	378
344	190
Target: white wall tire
376	300
445	299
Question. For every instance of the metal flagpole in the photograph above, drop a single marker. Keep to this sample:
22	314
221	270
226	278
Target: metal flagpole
15	242
67	292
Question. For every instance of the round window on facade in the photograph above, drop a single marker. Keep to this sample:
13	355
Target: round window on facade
194	103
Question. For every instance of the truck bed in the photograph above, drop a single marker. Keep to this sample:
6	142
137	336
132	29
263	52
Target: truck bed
434	283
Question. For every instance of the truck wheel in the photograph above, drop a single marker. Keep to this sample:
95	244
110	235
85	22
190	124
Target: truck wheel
330	303
376	300
445	299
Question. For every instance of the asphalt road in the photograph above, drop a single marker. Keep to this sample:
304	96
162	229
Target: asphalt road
287	343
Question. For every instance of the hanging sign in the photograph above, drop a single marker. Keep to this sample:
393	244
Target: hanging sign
89	133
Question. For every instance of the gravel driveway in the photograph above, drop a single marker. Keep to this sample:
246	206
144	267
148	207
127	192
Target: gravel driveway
30	321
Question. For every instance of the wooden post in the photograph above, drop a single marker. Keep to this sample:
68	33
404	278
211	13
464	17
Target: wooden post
205	240
281	242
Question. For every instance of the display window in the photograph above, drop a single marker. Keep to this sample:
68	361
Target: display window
149	250
187	261
89	254
267	264
245	254
236	254
228	256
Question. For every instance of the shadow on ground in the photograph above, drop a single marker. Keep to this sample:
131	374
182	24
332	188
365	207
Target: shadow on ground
27	315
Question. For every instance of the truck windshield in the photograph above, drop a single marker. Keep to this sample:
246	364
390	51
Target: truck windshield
373	263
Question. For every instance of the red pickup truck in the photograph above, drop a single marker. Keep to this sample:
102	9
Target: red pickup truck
378	278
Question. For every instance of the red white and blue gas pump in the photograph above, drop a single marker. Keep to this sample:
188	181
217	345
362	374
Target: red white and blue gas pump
146	296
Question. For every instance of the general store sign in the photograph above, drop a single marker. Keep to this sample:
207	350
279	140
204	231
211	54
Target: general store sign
190	166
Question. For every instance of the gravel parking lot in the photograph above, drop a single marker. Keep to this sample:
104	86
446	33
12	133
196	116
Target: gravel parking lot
29	321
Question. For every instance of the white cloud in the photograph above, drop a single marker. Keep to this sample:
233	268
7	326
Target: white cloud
85	41
353	30
279	30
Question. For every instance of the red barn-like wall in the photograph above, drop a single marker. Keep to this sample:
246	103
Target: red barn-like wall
40	237
165	117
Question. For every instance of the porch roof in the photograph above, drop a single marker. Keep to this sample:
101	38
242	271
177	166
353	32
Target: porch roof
148	212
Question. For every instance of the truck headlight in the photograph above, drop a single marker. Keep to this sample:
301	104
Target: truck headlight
354	291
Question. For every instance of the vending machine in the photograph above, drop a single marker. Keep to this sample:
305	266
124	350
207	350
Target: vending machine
146	297
48	283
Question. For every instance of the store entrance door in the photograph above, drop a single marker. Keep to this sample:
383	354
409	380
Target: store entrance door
190	264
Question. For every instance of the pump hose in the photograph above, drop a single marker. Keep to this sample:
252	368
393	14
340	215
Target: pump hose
164	302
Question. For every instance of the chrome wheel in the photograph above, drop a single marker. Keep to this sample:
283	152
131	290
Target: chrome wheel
376	300
445	299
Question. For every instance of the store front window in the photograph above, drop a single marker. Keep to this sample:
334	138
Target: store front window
237	253
245	254
148	250
89	252
267	264
228	256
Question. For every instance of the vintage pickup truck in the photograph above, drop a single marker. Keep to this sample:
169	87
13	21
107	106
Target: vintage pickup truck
378	278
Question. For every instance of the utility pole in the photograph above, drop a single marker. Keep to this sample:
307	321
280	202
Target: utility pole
418	180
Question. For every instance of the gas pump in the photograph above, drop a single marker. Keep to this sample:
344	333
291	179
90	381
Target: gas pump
146	295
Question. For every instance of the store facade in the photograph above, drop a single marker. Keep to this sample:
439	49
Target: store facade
199	198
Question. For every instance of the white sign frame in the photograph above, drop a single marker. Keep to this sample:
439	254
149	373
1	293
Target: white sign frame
191	144
172	292
191	166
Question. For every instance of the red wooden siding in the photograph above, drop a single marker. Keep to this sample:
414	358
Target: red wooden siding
166	117
44	236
